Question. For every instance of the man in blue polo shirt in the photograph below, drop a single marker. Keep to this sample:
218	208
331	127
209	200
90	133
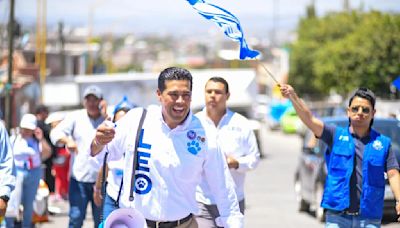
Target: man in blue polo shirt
357	159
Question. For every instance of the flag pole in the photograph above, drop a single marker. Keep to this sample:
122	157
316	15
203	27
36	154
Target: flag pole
269	73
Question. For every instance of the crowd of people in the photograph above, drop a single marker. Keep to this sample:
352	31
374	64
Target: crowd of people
181	169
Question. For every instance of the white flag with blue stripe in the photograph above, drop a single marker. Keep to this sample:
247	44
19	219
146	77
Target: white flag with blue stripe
227	21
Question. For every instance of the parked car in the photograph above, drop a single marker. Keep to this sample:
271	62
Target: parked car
311	171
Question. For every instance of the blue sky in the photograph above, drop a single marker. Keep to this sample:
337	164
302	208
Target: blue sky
176	16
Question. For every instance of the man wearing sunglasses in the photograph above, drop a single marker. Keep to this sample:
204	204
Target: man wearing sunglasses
357	159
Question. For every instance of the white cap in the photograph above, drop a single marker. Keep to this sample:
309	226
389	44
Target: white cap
28	121
93	90
55	116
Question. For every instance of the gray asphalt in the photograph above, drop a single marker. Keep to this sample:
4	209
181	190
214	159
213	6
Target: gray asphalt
270	200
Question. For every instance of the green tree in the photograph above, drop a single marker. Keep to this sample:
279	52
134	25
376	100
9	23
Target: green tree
342	51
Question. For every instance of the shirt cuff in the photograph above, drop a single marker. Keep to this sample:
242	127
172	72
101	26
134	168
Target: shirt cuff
242	167
233	221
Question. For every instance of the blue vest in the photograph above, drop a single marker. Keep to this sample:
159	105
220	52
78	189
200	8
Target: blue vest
340	167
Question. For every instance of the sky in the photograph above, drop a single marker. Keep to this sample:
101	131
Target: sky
257	17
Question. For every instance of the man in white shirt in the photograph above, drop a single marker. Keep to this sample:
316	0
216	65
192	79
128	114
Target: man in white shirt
76	132
236	141
173	154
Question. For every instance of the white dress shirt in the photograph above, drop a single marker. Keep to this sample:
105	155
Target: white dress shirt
171	165
7	169
82	129
234	138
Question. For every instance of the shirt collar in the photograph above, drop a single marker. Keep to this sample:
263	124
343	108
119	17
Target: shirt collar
224	118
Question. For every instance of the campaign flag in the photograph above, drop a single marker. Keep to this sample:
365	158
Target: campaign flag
228	22
396	83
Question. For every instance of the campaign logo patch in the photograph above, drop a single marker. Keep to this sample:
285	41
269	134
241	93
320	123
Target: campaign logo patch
193	147
344	138
201	139
377	145
191	134
142	184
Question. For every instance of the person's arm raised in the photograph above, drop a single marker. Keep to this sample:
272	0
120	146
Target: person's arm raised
104	134
304	113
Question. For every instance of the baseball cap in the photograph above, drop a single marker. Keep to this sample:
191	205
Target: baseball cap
28	121
93	90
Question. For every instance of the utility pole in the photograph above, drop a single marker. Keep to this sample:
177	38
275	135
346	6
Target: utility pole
43	39
61	40
8	100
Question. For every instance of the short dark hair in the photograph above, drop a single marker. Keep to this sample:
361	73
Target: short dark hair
174	73
366	94
41	108
221	80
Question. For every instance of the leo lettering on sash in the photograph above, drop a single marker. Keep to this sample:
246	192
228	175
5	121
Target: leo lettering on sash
143	182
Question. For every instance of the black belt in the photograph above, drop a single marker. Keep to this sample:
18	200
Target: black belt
346	212
170	224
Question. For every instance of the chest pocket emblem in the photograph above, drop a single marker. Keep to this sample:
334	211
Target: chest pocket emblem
193	147
377	145
344	138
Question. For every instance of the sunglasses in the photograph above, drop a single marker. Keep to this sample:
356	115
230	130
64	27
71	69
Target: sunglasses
364	110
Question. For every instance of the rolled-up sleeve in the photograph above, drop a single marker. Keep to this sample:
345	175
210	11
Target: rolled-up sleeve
221	184
63	129
7	168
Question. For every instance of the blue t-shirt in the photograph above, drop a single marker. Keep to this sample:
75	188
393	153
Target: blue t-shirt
356	177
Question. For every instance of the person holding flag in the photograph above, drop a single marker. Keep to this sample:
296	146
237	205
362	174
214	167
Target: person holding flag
357	159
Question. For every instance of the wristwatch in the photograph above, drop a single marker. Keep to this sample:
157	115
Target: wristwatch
5	198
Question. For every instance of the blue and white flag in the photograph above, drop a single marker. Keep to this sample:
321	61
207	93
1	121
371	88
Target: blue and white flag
227	21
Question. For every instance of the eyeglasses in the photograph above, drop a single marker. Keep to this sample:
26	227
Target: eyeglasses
175	95
364	110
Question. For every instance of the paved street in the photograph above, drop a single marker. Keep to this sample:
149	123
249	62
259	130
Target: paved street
270	197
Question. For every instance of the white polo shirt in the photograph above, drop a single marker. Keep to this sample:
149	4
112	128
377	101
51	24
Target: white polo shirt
234	138
171	165
82	129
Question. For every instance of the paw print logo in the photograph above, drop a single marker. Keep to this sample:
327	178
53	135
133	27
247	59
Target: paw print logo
193	147
143	184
